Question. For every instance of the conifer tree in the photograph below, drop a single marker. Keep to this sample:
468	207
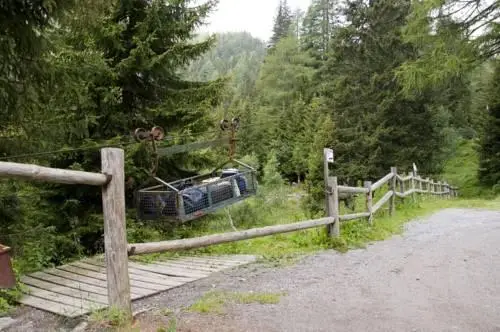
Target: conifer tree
282	23
489	156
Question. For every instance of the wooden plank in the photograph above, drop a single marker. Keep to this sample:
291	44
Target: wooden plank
81	294
205	262
70	283
332	206
52	175
64	299
88	280
53	307
225	260
135	275
192	275
392	198
353	216
102	276
115	232
382	181
383	200
369	201
208	240
353	190
189	266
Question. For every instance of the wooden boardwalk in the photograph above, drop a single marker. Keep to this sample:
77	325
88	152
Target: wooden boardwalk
80	287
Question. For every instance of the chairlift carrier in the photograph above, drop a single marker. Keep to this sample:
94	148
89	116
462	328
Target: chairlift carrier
191	198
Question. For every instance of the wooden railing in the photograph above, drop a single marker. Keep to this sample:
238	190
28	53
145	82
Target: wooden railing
112	181
414	183
117	250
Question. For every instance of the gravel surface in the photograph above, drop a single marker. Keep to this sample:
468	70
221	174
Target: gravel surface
442	274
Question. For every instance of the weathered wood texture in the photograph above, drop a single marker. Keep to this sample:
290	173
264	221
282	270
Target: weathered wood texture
388	195
75	293
382	181
392	197
353	190
369	201
334	228
51	175
208	240
115	233
353	216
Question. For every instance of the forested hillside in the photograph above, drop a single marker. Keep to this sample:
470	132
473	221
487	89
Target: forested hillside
383	83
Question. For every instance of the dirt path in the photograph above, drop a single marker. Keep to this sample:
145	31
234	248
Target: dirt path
443	274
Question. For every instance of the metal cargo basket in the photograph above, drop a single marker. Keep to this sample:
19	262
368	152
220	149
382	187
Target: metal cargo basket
194	197
7	277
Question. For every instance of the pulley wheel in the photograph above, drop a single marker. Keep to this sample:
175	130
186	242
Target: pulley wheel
157	133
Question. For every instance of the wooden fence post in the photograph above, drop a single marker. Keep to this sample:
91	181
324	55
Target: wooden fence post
115	234
412	185
369	200
333	206
402	187
392	202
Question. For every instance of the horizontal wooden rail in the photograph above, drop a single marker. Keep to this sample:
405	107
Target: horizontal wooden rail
382	181
382	201
353	216
208	240
354	190
408	193
52	175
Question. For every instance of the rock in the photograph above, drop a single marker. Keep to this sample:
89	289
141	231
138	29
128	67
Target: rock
80	327
5	322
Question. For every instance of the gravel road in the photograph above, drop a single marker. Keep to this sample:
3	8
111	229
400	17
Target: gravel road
442	274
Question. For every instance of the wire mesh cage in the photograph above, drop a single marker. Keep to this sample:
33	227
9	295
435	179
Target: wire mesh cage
191	198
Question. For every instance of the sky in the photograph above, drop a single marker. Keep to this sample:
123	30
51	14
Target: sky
254	16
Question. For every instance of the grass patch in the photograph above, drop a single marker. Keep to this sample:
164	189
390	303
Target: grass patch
110	318
215	301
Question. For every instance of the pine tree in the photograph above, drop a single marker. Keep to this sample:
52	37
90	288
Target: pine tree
489	156
376	126
320	23
284	90
282	23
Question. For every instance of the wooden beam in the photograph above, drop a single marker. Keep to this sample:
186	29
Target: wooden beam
369	201
383	200
382	181
353	216
334	228
392	203
354	190
208	240
52	175
115	233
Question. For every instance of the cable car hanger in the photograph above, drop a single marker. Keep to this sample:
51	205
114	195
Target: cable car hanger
191	198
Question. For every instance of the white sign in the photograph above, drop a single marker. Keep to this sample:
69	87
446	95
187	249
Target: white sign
329	155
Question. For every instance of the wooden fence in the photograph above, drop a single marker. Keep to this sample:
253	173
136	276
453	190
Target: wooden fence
117	250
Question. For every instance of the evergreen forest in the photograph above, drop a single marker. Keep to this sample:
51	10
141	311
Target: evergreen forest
381	82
